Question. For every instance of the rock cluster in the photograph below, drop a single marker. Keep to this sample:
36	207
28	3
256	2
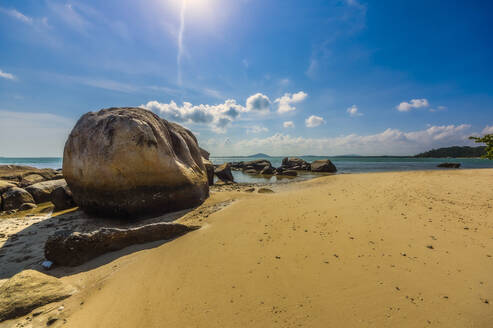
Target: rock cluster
449	165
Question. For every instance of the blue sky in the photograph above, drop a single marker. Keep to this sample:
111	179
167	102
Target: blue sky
283	77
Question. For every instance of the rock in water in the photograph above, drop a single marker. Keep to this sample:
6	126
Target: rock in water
323	165
128	162
28	290
295	163
14	197
74	248
223	172
62	198
449	165
41	191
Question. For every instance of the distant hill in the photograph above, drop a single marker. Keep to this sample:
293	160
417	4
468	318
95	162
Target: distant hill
455	151
259	155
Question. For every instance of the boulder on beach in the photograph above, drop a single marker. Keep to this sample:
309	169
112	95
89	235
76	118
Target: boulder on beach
41	191
209	168
323	165
449	165
29	290
62	198
267	170
27	175
74	248
128	162
14	197
223	172
295	163
257	165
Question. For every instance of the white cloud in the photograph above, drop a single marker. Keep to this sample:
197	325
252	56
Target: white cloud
17	15
314	121
43	134
258	102
285	102
288	124
488	130
387	142
414	103
256	129
6	75
353	111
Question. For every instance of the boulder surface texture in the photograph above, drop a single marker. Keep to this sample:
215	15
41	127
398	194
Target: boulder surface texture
62	198
14	197
41	191
223	172
128	162
74	248
28	290
323	165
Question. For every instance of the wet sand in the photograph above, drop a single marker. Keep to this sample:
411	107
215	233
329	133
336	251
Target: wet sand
406	249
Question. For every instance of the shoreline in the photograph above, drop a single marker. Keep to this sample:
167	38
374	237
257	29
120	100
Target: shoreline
342	250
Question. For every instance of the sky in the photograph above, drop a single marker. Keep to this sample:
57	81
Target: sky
282	77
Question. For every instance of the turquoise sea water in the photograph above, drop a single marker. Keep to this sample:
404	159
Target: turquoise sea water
349	164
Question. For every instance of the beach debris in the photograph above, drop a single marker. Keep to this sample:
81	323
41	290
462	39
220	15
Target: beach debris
29	290
47	265
70	248
140	165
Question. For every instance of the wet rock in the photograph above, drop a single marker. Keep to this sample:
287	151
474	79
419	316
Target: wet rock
250	171
41	191
73	248
14	197
257	165
27	206
128	162
323	165
295	163
267	170
62	198
29	290
290	173
223	172
449	165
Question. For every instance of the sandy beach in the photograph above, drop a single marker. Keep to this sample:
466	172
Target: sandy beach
407	249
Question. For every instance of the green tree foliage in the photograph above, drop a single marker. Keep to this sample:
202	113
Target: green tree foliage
456	151
488	140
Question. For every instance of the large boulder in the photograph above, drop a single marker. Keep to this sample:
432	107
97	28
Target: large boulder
323	165
267	170
257	165
128	162
205	154
74	248
62	198
29	290
14	197
223	172
41	191
295	163
209	168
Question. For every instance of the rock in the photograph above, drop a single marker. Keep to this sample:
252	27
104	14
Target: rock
257	165
267	170
204	153
14	197
295	163
128	162
223	172
449	165
290	173
323	165
73	248
250	190
28	290
62	198
31	179
209	168
41	191
26	175
250	171
27	206
265	191
6	185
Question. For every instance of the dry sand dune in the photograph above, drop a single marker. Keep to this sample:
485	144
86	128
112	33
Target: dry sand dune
410	249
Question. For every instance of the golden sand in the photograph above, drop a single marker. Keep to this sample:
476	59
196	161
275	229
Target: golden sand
408	249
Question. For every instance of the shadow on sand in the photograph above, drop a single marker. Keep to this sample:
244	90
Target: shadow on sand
24	249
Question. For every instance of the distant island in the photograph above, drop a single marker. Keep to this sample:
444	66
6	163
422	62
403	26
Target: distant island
455	151
259	155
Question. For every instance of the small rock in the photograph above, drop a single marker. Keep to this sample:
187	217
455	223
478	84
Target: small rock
250	190
265	191
27	206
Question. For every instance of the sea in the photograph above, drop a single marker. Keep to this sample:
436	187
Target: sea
344	164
